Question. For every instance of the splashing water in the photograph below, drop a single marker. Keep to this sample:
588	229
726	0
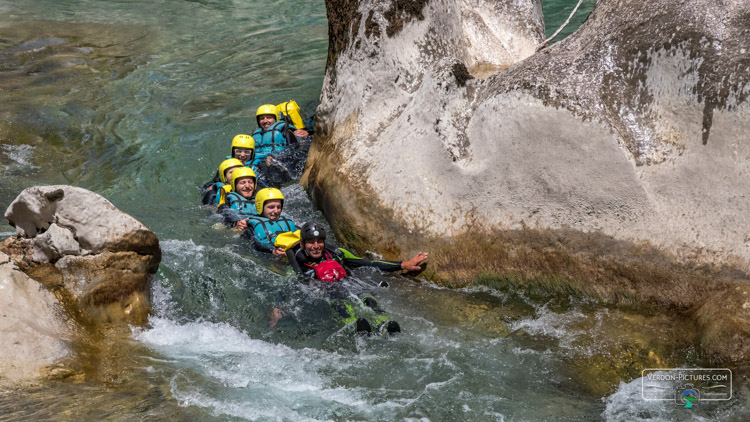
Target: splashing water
138	101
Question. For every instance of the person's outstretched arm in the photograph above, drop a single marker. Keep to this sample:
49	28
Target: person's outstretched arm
411	265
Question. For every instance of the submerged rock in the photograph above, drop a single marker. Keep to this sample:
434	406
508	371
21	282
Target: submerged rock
33	325
72	239
610	164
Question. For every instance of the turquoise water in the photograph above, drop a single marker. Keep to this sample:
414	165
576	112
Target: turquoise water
556	12
138	101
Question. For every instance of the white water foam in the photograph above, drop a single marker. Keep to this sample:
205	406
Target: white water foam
19	156
627	404
226	372
187	254
552	324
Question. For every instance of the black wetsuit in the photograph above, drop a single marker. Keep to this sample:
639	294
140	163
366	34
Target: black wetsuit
339	295
302	261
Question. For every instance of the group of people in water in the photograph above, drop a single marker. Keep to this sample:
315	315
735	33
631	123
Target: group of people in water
251	204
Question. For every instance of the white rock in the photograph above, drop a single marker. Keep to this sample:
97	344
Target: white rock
94	222
33	327
53	244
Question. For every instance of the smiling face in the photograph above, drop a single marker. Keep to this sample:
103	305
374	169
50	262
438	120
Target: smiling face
243	154
266	120
272	209
315	247
245	187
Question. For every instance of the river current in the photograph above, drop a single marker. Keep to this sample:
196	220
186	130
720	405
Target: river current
138	101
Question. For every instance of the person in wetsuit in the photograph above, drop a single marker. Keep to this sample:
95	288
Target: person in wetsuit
239	204
216	193
323	262
273	135
268	223
242	149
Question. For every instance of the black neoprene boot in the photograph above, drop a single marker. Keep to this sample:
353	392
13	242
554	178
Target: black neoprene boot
362	326
371	303
390	327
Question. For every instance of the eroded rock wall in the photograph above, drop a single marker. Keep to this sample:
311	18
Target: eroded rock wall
632	127
397	76
613	164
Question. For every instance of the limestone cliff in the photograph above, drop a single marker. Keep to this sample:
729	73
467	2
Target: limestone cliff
614	162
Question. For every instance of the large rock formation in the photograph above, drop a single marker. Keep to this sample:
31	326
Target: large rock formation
613	164
33	326
96	257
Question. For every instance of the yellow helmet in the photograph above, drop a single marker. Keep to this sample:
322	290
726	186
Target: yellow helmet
240	173
243	141
264	195
226	165
266	109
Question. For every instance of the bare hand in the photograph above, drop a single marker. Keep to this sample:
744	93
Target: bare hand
279	252
413	264
242	225
276	315
300	133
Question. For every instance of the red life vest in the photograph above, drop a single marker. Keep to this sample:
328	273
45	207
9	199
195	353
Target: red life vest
329	269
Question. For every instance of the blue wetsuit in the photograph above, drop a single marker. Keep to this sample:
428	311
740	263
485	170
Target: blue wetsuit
275	139
263	231
236	208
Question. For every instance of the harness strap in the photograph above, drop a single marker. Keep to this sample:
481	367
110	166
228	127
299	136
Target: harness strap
257	221
273	138
275	128
234	197
327	255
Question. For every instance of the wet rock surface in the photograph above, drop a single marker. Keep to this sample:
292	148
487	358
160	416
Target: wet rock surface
598	165
33	325
99	258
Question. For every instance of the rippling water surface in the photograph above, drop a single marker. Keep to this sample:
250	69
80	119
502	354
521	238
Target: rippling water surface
138	100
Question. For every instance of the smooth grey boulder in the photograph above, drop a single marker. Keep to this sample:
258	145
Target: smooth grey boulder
95	223
33	326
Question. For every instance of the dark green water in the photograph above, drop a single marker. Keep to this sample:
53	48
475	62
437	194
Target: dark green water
138	101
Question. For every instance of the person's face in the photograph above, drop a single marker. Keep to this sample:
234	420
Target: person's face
266	120
315	247
272	209
245	187
228	173
243	154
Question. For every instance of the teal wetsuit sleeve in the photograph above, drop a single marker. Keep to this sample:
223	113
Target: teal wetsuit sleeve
350	259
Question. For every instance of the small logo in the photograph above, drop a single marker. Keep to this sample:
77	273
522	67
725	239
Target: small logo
316	233
687	395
